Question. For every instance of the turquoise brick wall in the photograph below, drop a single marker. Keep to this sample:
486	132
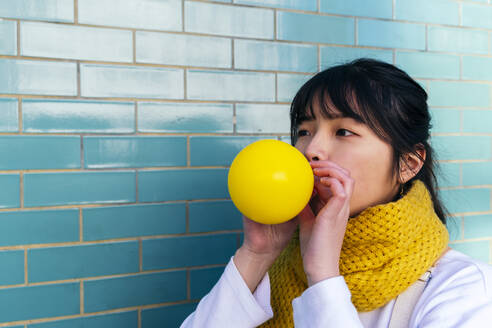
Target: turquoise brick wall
120	120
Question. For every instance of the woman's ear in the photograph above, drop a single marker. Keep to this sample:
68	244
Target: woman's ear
410	164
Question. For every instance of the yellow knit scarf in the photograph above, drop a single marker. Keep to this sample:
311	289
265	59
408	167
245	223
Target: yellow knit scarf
386	248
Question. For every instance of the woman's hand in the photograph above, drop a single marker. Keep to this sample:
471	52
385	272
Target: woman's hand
321	236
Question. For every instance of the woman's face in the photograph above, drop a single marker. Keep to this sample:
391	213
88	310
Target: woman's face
355	147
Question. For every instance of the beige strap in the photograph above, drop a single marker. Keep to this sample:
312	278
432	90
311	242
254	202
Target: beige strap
405	302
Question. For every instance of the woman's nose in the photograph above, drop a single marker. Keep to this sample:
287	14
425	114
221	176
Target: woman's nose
315	151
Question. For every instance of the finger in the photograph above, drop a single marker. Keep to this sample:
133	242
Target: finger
317	164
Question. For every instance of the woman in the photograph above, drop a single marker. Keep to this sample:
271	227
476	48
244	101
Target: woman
370	249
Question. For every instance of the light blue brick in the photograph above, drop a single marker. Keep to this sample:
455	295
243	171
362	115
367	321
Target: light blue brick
46	189
203	280
12	272
228	20
451	39
10	116
445	120
286	139
124	81
273	56
39	152
453	224
214	216
37	77
331	56
477	68
478	250
182	117
80	261
462	94
140	14
477	121
50	10
167	185
449	175
217	150
434	11
478	226
8	37
168	252
306	5
289	84
313	28
253	118
390	34
142	151
476	15
77	116
477	173
136	290
120	320
171	315
462	147
466	200
10	192
230	85
429	65
380	9
34	302
110	222
75	42
186	50
39	227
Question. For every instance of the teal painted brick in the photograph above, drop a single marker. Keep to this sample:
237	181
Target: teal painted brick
8	37
453	224
75	42
179	49
478	249
203	280
37	77
142	14
466	200
10	192
181	117
228	20
313	28
477	173
81	261
230	85
380	9
39	227
252	118
10	116
457	40
449	175
34	302
273	56
136	290
133	221
477	121
435	11
39	152
50	10
76	116
200	250
46	189
463	94
478	226
445	120
168	316
331	56
462	147
12	272
429	65
307	5
476	15
391	34
120	320
169	185
217	150
108	152
289	84
214	216
477	68
124	81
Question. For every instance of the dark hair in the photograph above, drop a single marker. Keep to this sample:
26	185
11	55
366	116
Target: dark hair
384	98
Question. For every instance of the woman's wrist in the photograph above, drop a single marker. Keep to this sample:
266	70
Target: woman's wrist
253	266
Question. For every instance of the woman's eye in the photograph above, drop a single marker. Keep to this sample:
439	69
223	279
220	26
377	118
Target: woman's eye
302	133
344	133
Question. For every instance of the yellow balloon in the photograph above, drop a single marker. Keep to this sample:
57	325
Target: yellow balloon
270	181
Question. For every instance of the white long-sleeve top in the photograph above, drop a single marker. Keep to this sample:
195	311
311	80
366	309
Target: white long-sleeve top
459	294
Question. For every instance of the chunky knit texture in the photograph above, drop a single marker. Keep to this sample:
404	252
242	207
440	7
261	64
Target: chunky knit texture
386	248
